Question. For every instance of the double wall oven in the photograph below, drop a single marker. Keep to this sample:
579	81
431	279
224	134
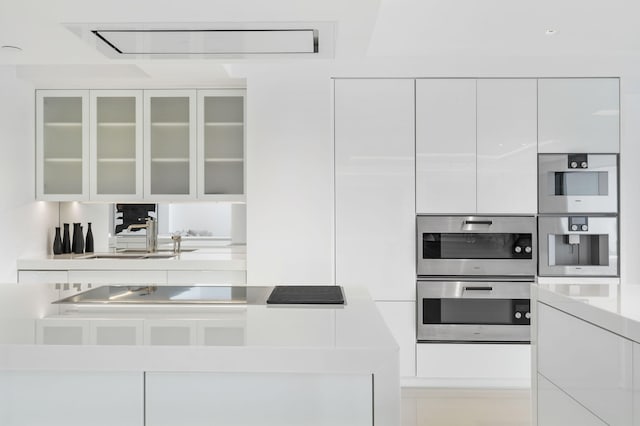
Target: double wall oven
474	277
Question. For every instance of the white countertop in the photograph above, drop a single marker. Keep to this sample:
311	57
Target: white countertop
611	306
214	258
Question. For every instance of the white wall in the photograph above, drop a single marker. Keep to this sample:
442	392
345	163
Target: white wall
26	226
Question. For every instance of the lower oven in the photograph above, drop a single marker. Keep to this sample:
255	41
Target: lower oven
473	311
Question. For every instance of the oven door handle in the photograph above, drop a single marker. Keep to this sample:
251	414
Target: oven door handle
478	288
478	222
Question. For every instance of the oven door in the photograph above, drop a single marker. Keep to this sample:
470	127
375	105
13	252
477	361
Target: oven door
476	245
578	246
473	311
578	183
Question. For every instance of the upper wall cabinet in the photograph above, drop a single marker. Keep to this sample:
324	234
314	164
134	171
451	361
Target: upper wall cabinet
476	146
221	144
116	145
62	145
507	168
169	144
580	115
446	145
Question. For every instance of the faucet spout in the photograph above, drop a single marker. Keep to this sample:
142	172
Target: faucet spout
152	233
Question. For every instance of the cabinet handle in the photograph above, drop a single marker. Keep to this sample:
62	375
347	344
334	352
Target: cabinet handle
478	288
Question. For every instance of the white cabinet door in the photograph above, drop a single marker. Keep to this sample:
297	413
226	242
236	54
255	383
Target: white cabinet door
401	320
170	145
590	364
268	399
221	145
636	384
579	115
446	146
116	145
34	398
62	145
374	186
507	170
556	408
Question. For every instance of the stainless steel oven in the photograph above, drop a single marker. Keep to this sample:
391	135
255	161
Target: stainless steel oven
473	311
578	245
476	246
577	183
474	278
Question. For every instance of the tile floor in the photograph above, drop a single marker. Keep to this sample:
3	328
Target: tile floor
465	407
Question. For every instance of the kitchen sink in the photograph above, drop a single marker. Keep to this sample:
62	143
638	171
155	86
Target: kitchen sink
141	252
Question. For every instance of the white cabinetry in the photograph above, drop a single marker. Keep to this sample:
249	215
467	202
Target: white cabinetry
507	170
446	145
556	408
116	145
591	365
400	317
374	186
169	144
476	146
62	145
579	115
202	398
221	144
69	398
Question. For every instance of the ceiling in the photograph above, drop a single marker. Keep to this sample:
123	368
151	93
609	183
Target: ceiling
364	30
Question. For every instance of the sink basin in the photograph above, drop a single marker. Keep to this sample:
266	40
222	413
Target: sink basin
140	252
129	256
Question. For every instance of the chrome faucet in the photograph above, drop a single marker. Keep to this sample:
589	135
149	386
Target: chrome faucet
152	233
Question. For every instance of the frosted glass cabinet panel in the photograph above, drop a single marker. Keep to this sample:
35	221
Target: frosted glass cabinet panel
221	144
170	144
446	146
116	145
579	115
62	139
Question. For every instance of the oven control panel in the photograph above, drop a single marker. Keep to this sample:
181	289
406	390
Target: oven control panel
521	312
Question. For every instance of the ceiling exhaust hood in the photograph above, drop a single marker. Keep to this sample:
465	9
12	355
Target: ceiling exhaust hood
213	40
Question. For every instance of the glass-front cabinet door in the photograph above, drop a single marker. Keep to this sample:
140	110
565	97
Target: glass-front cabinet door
116	145
62	145
221	144
169	144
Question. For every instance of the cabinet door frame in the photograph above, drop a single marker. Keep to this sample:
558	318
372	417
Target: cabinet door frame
72	93
201	157
148	95
93	143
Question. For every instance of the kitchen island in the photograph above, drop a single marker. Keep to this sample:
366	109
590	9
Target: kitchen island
227	363
586	354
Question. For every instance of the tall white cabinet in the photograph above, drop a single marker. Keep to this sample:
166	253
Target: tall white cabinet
507	172
62	145
374	172
476	146
375	199
445	145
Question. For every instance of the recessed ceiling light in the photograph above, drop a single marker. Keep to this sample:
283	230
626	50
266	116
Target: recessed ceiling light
550	32
9	48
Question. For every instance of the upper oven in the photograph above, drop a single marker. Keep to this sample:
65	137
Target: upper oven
577	183
476	246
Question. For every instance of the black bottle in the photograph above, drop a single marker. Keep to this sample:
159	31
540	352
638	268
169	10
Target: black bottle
88	247
78	239
66	240
57	242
